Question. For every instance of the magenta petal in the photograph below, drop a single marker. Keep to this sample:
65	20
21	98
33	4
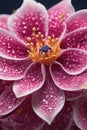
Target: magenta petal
48	101
13	69
3	21
74	127
11	47
73	61
8	101
72	95
30	14
23	118
75	39
80	113
66	81
33	80
57	16
77	20
63	120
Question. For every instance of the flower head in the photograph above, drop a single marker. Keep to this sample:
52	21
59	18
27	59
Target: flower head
44	53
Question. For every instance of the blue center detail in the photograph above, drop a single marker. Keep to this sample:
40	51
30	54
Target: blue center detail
44	49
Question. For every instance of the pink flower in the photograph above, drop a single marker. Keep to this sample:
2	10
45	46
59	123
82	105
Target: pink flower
44	54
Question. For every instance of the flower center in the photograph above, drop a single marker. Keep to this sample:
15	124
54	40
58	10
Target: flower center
43	50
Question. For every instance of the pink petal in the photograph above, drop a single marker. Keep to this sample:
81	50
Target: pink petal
72	95
30	14
3	21
13	69
73	61
33	80
63	120
66	81
75	39
77	20
80	113
23	118
74	127
11	47
48	101
57	16
8	101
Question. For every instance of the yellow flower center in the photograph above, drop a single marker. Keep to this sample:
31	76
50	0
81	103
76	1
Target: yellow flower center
43	50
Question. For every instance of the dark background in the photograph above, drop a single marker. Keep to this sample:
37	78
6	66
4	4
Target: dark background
7	6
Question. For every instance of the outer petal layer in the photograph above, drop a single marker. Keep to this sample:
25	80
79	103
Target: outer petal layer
63	120
12	69
66	81
48	101
8	101
73	61
29	15
33	80
3	21
57	15
23	118
75	39
11	47
80	113
76	21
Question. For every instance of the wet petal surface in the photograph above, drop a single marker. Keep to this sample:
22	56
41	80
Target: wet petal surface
48	101
30	14
57	15
66	81
75	39
32	81
63	120
80	113
73	61
3	21
13	69
11	47
76	21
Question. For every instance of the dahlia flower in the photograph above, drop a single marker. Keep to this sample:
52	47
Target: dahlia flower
43	54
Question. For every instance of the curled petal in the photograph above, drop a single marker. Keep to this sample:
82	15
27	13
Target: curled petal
3	21
48	101
57	16
80	113
32	81
30	14
72	95
11	47
76	21
63	120
75	39
66	81
23	118
13	69
8	101
73	61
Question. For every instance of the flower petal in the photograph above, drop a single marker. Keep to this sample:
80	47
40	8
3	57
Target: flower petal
30	14
63	120
11	47
33	80
73	61
23	118
80	113
3	21
48	101
75	39
77	20
74	127
72	95
13	69
66	81
57	16
8	101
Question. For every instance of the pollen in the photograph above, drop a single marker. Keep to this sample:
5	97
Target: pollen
43	50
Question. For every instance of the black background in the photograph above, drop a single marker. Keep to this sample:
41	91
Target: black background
7	6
